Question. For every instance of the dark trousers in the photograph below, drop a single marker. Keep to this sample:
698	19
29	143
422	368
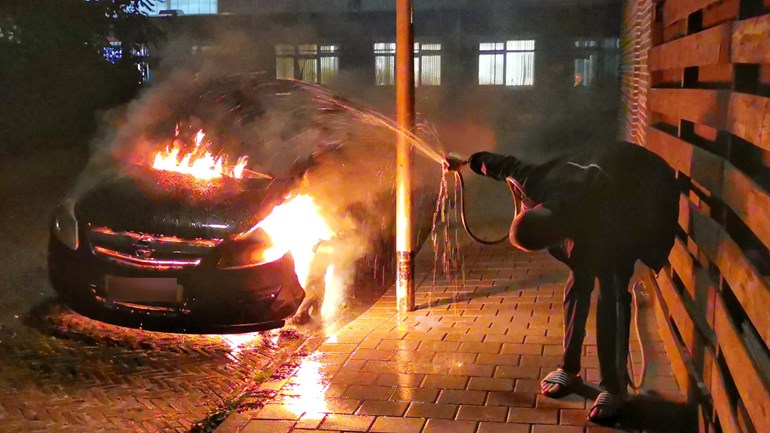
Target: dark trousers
613	320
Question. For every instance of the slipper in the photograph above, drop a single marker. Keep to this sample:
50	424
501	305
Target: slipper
565	383
606	407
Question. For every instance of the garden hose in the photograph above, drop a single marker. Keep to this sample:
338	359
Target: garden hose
516	195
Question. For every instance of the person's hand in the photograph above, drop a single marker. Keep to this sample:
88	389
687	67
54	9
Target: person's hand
455	161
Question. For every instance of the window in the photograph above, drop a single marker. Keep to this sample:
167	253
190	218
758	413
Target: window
188	7
596	59
308	62
427	64
511	63
385	63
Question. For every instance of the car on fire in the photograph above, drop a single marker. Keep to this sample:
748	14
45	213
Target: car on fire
165	248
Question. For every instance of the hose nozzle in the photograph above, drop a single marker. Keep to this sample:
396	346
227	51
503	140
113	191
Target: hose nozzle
454	162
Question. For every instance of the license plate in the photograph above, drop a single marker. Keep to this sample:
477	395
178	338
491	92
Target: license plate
124	289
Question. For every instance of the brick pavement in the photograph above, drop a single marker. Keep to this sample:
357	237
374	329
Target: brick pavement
467	361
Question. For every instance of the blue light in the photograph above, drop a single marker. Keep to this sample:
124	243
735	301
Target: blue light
113	54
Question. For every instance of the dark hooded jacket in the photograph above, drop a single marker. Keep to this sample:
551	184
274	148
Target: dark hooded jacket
619	204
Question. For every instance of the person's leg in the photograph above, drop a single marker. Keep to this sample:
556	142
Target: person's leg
577	303
613	320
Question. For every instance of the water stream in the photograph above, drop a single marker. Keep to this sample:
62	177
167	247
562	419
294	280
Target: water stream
445	232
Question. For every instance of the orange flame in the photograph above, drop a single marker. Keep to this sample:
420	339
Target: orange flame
199	162
296	226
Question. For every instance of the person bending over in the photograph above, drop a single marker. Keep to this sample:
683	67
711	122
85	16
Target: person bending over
598	214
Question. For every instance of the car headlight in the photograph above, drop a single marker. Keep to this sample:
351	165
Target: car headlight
249	250
65	225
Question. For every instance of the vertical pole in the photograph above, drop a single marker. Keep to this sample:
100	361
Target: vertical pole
405	118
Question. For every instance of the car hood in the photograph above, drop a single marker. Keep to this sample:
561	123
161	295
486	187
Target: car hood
143	200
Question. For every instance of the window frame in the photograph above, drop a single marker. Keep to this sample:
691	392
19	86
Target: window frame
500	52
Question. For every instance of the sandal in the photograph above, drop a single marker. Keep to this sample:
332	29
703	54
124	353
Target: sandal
566	383
606	407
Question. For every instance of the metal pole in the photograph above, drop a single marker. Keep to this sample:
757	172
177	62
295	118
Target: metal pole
405	118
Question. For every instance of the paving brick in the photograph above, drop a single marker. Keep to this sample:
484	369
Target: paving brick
337	348
445	382
517	372
502	337
473	370
355	378
499	427
452	335
438	346
482	413
382	408
368	392
523	349
341	405
453	396
277	412
268	426
497	359
511	399
372	354
385	424
476	347
358	423
425	395
490	384
388	344
527	385
573	417
449	426
533	415
573	401
432	410
539	428
309	420
395	379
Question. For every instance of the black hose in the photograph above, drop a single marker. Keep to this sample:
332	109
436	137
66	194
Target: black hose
516	208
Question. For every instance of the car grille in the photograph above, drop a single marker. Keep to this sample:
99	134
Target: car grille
143	250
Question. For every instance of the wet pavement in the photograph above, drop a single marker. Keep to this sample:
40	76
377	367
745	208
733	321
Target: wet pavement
468	360
61	372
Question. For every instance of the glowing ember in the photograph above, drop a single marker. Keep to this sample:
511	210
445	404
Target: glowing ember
297	227
198	162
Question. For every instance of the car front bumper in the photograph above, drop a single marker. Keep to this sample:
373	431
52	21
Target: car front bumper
207	299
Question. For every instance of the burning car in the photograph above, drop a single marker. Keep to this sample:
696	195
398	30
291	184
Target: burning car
188	233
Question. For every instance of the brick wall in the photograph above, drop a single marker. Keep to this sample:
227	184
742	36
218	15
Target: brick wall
700	98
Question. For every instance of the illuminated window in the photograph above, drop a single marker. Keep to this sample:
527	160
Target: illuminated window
510	63
308	62
385	63
187	7
427	64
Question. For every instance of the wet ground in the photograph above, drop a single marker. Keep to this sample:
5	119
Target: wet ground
467	361
60	371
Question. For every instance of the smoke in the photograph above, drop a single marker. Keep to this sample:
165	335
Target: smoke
340	153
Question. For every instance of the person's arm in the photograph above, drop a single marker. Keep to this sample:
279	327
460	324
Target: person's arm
497	166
